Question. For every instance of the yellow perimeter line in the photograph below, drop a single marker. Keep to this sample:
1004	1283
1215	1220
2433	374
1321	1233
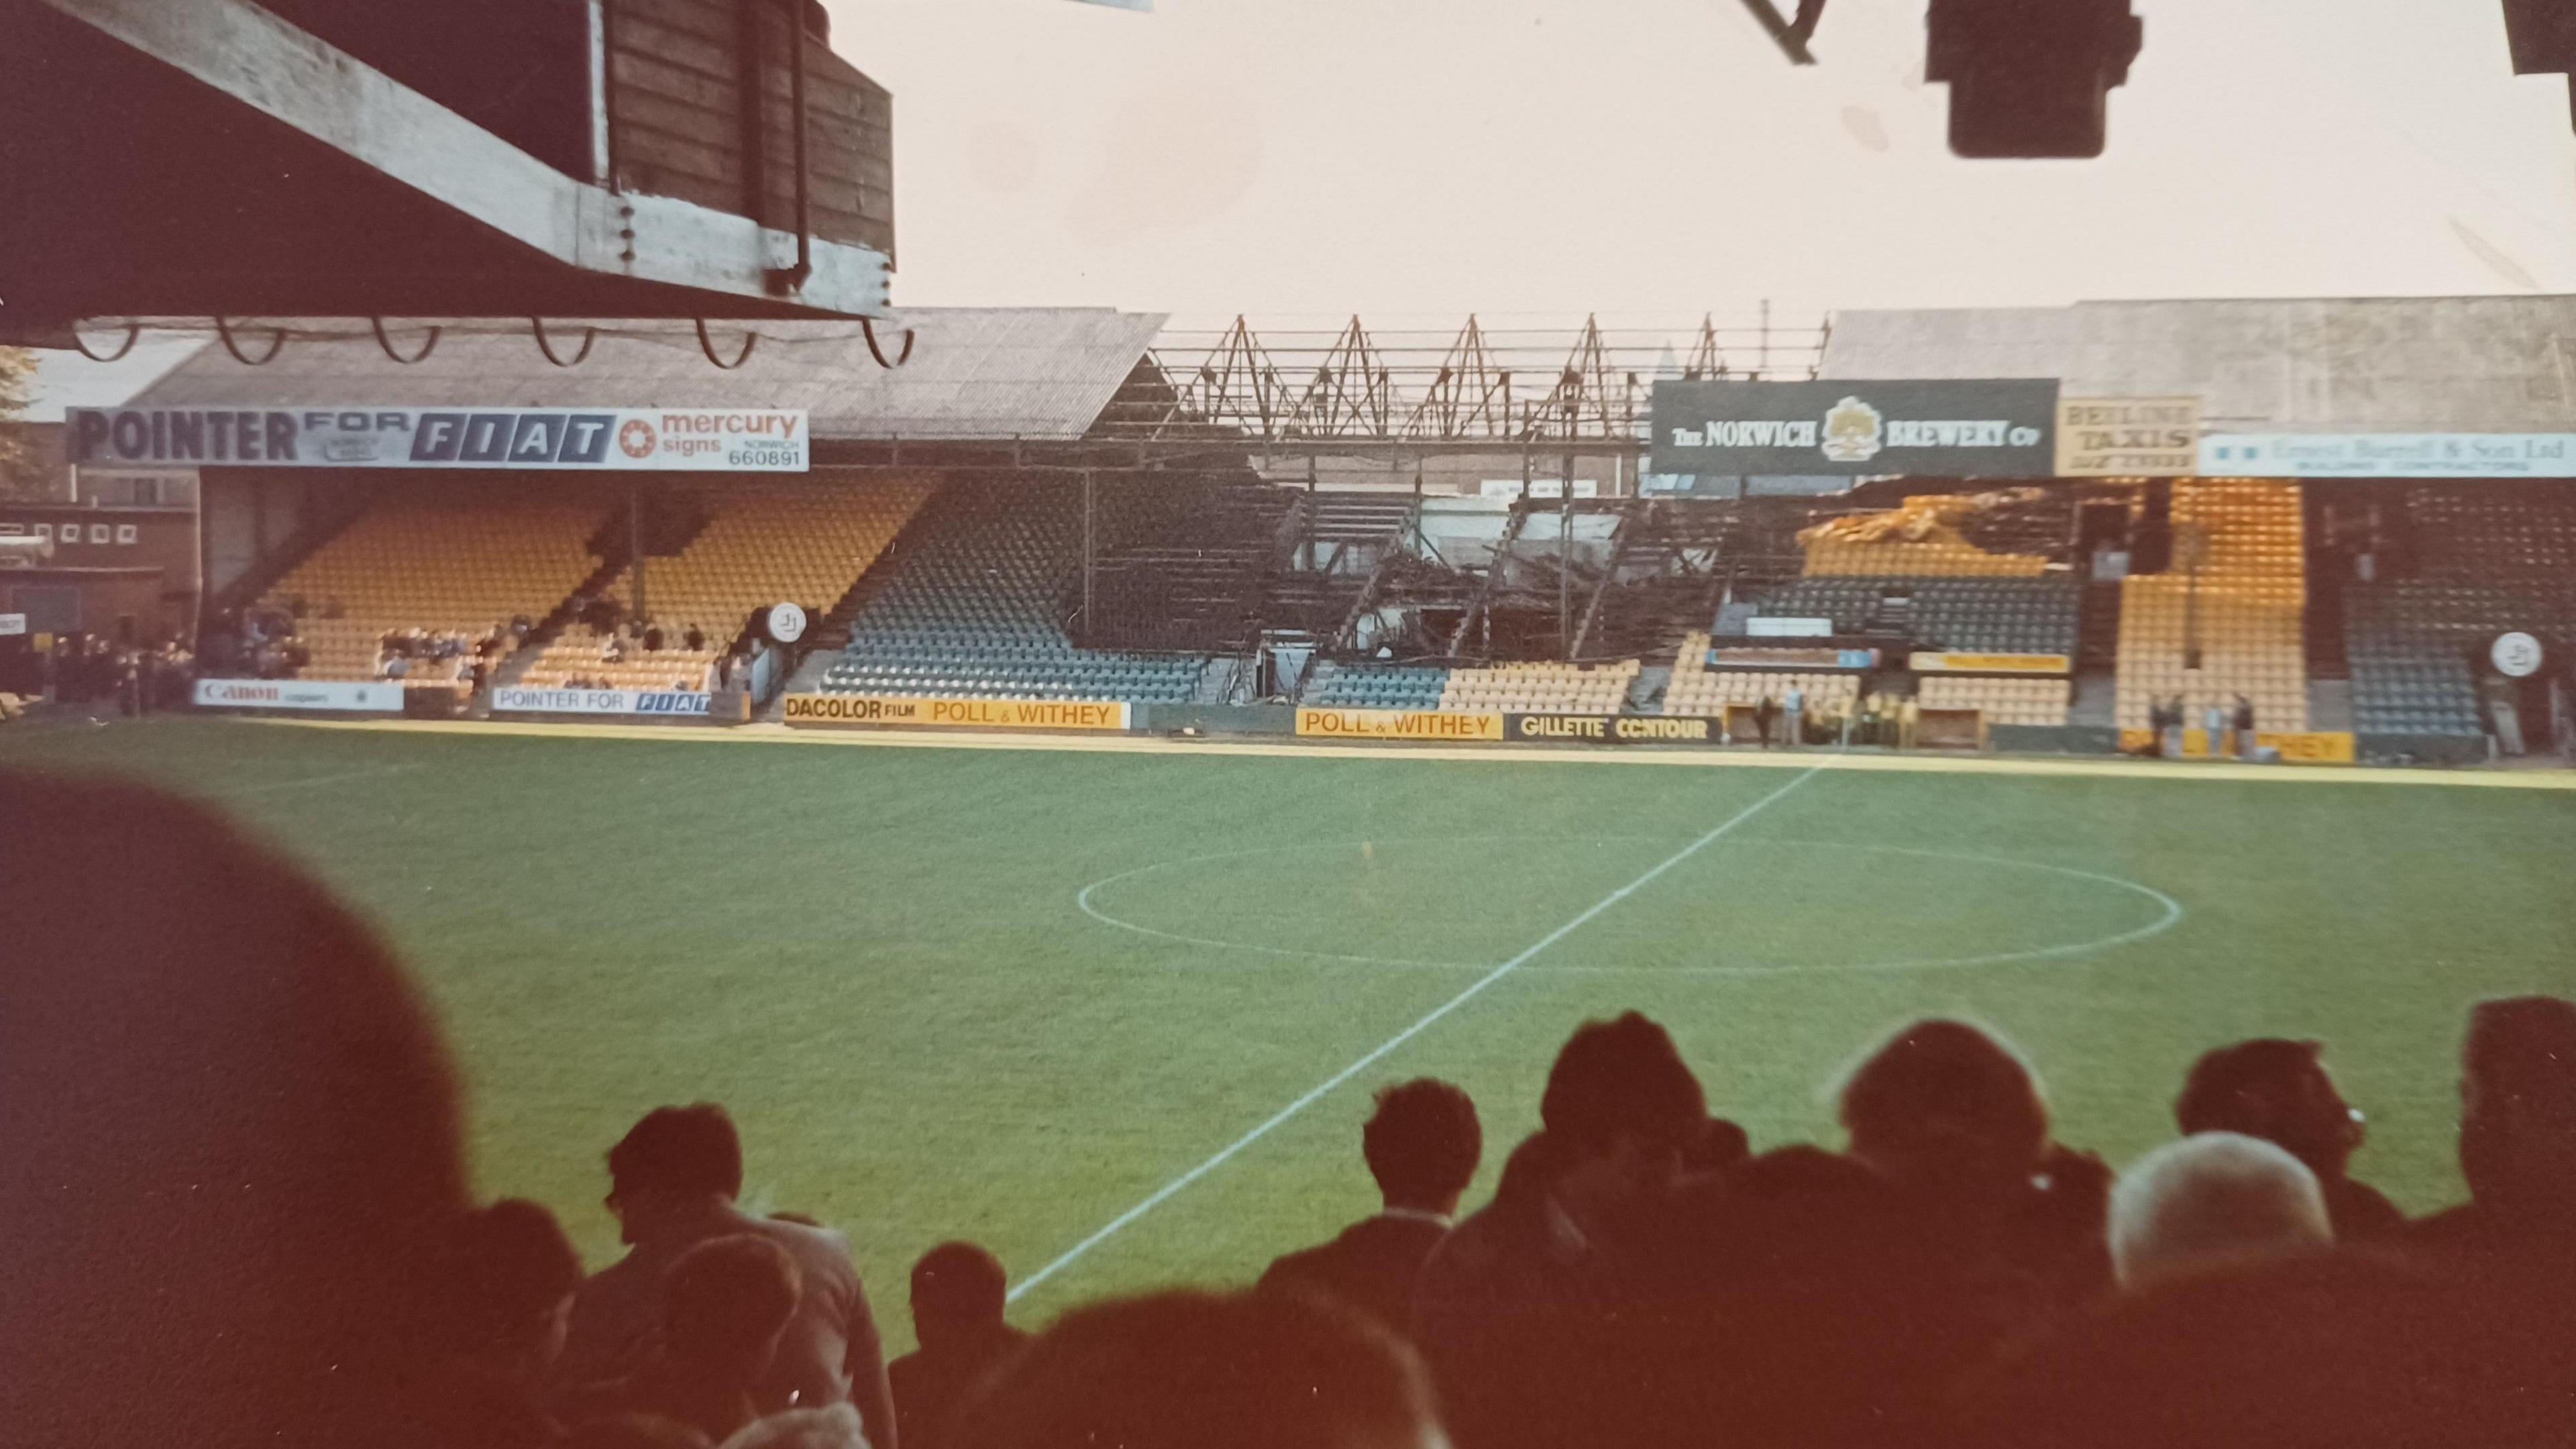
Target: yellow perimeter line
1662	755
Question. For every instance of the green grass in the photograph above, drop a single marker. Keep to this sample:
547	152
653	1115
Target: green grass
875	957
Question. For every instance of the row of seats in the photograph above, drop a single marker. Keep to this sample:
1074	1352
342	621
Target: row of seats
1377	686
979	602
1988	616
2246	608
2480	559
456	558
2002	700
1709	691
1542	687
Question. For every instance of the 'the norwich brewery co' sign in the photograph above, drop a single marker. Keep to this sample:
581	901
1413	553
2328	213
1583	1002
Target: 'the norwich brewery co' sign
1993	429
720	440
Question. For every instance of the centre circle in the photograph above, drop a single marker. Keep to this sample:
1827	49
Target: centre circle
1747	907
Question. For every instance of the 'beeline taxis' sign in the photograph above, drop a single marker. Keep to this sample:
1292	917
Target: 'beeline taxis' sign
708	440
971	714
2005	428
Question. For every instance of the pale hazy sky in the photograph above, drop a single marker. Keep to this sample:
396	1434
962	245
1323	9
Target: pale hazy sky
1651	159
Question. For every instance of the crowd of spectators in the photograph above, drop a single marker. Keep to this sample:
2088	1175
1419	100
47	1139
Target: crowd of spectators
239	1215
94	671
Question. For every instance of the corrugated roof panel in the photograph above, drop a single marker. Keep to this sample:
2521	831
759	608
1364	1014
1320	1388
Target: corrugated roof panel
975	373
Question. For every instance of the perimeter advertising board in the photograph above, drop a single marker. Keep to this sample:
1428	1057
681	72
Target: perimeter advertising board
1614	729
978	714
680	703
1398	724
1989	429
358	435
299	694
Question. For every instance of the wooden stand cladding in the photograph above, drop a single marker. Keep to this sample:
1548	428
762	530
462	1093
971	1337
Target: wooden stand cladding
677	75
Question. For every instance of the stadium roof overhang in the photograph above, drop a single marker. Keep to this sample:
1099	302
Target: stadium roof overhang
204	158
996	384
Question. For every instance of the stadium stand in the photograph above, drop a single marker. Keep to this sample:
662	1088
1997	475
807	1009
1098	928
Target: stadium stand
2248	598
1929	536
761	544
454	560
1377	686
2015	615
2484	559
1543	687
977	602
2002	700
1696	689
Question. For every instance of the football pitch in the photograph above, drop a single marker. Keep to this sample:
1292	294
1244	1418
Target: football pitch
1117	1014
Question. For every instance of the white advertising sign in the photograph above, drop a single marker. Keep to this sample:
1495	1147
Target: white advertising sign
299	694
2389	455
599	701
12	625
713	440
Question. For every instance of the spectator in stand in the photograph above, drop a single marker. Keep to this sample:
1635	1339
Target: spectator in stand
1422	1145
398	668
2213	730
2244	728
958	1292
1763	714
2210	1202
510	1288
2279	1091
696	639
725	1303
652	638
1954	1120
1793	717
2517	1135
1203	1371
233	1148
1512	1310
673	1181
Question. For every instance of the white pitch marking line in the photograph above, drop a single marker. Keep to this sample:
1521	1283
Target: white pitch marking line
1170	1189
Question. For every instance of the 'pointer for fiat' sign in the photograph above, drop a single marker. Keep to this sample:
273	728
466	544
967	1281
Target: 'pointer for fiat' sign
1999	429
708	440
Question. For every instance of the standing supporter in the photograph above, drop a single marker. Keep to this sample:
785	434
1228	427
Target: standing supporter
725	1303
1793	717
1203	1371
1953	1119
837	1427
958	1292
510	1285
673	1181
2210	1202
696	639
232	1145
2213	729
2517	1135
2244	728
2279	1091
1763	714
1422	1145
1513	1309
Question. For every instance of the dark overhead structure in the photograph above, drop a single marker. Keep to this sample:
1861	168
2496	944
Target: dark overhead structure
473	158
2543	36
2031	78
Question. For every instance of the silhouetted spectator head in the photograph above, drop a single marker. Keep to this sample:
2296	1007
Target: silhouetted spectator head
1944	1106
2518	1107
2276	1090
724	1304
634	1431
834	1427
1721	1146
2212	1200
516	1274
1621	1087
1192	1370
676	1158
1422	1144
958	1293
232	1152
